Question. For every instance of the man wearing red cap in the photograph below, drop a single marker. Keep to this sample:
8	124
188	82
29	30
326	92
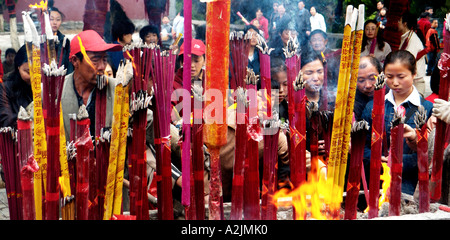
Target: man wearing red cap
88	54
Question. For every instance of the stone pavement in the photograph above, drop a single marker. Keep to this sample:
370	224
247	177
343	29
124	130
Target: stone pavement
4	211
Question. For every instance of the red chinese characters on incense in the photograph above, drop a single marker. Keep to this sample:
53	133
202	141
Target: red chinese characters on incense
376	145
358	140
396	161
28	166
217	60
420	119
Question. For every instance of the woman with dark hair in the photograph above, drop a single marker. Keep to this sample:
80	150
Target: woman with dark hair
284	31
253	52
16	91
400	72
412	41
373	43
149	34
56	19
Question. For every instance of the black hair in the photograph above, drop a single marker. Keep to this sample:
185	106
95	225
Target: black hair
435	80
277	65
54	9
380	38
411	23
9	51
148	29
405	57
318	31
374	62
21	57
308	56
121	25
425	14
251	26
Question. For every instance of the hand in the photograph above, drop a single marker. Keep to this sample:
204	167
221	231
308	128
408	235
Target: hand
441	110
411	136
384	159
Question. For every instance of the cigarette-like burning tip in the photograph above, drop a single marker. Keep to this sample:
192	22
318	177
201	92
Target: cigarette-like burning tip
360	125
82	113
23	114
380	81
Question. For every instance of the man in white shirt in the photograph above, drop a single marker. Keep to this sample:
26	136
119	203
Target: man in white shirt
317	20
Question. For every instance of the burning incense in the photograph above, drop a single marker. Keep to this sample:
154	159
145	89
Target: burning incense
264	56
239	46
396	165
83	146
217	67
376	145
40	143
163	85
351	94
251	175
420	119
438	154
359	132
28	165
55	79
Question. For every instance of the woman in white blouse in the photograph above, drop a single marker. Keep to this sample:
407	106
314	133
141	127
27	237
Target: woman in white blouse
373	43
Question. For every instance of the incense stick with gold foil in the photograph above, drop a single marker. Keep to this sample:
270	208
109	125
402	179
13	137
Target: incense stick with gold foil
217	69
40	143
64	179
420	119
28	165
333	162
359	132
351	95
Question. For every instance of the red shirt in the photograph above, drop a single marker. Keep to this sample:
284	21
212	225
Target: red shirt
424	25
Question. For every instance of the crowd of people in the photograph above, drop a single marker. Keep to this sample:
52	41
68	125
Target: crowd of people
405	71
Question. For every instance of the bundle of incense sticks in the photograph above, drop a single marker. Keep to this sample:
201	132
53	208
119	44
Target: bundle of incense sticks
351	49
265	77
297	117
237	194
217	73
271	131
28	165
32	42
118	147
99	172
359	132
83	145
239	46
396	161
163	85
197	193
54	78
8	152
253	136
440	141
376	145
420	119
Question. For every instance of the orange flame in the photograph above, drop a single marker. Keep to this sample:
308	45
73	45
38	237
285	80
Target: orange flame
83	51
42	5
386	178
132	61
311	200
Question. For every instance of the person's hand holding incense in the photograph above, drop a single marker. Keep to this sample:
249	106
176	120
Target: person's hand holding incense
411	137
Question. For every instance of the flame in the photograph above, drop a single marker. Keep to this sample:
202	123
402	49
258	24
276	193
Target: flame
311	200
132	61
42	5
386	178
83	51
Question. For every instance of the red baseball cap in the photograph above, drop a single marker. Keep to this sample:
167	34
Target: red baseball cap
198	47
92	42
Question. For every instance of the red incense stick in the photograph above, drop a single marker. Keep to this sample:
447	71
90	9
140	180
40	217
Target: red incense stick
422	159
